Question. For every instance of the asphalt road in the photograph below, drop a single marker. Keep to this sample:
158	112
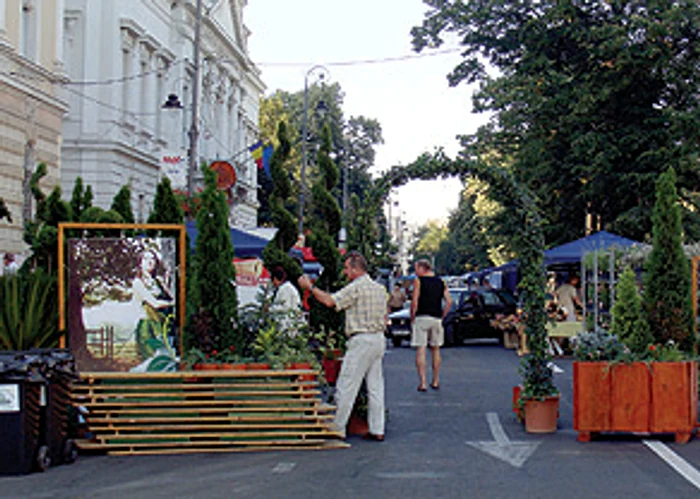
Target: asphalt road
461	441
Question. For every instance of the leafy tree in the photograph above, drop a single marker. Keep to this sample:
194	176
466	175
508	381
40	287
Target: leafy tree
276	251
590	101
667	294
81	199
629	321
214	291
122	204
428	239
41	233
166	208
325	225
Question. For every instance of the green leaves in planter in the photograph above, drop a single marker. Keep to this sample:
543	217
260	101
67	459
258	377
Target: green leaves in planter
28	311
599	345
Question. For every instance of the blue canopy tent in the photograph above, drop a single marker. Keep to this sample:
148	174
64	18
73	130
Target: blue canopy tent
244	244
569	254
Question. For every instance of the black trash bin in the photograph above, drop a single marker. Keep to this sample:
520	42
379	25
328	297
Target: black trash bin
35	425
22	399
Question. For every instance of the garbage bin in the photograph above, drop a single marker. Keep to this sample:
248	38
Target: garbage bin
35	410
21	423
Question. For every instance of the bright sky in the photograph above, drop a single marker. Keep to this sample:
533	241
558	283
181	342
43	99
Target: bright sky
411	99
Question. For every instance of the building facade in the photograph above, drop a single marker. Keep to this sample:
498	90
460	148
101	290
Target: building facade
123	59
31	108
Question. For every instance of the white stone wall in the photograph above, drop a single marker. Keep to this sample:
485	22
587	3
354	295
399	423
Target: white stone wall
131	54
31	110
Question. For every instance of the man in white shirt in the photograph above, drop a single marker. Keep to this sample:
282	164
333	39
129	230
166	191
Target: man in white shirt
568	296
287	302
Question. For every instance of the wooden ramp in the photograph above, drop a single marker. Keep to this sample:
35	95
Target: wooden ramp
204	411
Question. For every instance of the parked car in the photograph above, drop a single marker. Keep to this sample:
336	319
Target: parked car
469	317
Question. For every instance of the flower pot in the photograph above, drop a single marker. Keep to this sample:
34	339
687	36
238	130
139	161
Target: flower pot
306	366
331	369
516	402
660	397
257	366
541	415
231	367
357	425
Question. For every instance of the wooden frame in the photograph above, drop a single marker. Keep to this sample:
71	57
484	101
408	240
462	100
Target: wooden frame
694	266
179	228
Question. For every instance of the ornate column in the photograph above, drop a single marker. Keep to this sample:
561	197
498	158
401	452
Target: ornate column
58	63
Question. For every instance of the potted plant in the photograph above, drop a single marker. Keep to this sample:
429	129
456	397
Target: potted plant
647	383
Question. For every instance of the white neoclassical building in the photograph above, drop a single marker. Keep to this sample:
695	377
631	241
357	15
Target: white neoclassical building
123	58
31	109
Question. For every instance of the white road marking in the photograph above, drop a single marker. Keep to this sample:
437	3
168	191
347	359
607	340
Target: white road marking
512	452
675	461
284	467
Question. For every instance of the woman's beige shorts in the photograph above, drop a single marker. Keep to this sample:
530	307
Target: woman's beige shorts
427	330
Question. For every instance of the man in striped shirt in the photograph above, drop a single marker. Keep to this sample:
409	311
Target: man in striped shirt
364	302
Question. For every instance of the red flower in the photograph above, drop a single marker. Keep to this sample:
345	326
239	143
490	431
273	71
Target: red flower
652	348
214	352
232	348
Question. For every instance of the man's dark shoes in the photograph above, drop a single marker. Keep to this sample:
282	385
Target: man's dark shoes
373	437
435	387
422	389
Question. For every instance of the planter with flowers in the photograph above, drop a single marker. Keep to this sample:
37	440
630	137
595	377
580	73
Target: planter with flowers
640	377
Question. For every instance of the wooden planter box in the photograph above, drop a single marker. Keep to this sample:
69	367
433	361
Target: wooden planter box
660	397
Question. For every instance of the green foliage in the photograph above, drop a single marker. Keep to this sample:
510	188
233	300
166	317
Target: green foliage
122	204
667	294
599	345
166	208
41	233
28	311
214	292
325	225
590	101
276	251
629	321
81	199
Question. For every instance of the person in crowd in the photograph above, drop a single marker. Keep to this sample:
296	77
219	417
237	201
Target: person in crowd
364	302
568	297
287	301
10	266
397	298
427	313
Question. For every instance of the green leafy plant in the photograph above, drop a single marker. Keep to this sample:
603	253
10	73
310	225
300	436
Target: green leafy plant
28	311
629	321
599	345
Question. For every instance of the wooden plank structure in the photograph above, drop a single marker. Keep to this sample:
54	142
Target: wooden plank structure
204	411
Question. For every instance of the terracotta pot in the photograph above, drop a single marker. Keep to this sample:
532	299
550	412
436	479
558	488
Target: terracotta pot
517	389
232	367
257	366
331	369
306	366
541	415
357	425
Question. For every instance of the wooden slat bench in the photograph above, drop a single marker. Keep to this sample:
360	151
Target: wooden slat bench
204	411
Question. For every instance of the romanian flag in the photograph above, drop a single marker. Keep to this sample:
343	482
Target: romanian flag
261	154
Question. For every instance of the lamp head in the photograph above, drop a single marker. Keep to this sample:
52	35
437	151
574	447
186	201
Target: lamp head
173	102
321	109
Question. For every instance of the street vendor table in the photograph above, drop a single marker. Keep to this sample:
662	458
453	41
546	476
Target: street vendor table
558	330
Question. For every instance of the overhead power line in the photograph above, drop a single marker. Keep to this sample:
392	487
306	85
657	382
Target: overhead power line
360	62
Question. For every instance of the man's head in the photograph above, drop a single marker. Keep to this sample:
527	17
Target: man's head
8	258
574	280
355	265
278	276
422	267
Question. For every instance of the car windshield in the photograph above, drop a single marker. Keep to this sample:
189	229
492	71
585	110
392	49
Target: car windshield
506	296
455	294
491	298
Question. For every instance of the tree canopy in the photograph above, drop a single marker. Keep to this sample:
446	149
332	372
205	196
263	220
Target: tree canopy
591	100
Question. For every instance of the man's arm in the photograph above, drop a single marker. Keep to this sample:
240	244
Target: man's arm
448	302
323	297
414	299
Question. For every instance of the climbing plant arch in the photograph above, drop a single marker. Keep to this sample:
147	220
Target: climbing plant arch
529	243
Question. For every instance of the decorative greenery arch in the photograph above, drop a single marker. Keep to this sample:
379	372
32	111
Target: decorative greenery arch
530	243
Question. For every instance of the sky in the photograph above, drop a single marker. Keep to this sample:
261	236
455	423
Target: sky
411	99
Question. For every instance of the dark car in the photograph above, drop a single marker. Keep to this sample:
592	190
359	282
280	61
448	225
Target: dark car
469	317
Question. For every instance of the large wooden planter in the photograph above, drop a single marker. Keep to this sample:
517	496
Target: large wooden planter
659	397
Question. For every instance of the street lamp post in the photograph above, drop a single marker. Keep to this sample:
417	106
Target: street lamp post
194	130
304	132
